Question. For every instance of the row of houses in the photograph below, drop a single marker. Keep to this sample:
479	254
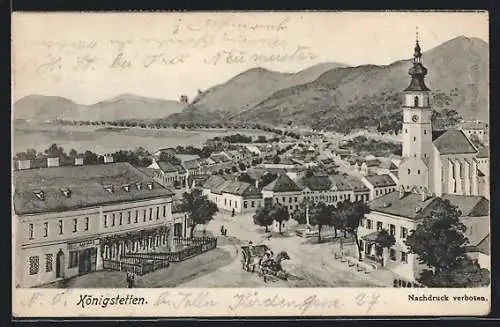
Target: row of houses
290	189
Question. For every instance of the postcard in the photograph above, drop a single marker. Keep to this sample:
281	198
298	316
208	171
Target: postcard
228	164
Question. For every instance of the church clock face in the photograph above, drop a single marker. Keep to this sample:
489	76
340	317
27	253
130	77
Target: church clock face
414	118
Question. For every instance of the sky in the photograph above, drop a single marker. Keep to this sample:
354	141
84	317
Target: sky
90	57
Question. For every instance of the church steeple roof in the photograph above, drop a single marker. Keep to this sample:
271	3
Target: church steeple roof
417	71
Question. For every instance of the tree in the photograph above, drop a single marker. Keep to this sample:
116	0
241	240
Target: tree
349	217
385	240
279	214
262	217
466	274
320	215
199	209
439	242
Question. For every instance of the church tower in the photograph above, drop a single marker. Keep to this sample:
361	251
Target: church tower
414	170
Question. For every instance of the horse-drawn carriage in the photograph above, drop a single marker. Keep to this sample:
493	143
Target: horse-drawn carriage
260	258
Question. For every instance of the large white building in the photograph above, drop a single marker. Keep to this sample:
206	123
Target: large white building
436	166
62	214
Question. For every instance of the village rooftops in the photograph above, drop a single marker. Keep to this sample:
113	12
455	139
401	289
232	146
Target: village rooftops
167	167
187	157
477	232
380	180
454	141
411	205
75	187
316	183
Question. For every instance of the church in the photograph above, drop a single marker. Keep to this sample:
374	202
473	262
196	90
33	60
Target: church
435	166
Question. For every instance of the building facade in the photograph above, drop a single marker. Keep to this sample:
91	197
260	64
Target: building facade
64	213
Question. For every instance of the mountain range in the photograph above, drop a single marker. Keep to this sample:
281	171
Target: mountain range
40	108
343	97
326	95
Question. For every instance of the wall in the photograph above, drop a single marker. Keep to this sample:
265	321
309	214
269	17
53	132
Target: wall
41	245
404	269
289	199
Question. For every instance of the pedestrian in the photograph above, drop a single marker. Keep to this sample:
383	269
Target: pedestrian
225	231
222	230
129	280
232	213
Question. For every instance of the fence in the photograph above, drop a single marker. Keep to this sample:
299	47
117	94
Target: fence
140	267
195	247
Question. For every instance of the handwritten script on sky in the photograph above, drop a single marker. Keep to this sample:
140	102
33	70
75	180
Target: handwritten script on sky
91	57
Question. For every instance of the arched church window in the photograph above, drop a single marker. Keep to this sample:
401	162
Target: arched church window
418	171
415	100
425	131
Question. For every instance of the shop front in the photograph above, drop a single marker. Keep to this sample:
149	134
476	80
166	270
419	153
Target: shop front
84	257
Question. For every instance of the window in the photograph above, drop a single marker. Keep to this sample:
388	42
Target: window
121	218
379	226
150	213
60	227
415	101
129	217
157	213
425	131
236	204
253	204
34	265
73	259
45	229
144	215
87	223
164	211
48	262
296	200
392	229
414	138
225	202
75	225
392	254
404	257
284	199
32	231
404	232
369	223
113	220
289	200
230	203
406	130
409	171
418	171
245	204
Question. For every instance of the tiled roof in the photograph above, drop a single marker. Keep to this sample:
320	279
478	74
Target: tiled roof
187	157
472	206
213	181
478	228
316	183
474	125
484	152
239	188
388	165
192	164
87	186
167	167
282	184
453	141
380	180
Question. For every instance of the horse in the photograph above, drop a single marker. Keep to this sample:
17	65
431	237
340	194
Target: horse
273	266
251	256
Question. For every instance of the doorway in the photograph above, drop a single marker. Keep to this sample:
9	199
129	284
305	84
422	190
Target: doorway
60	264
87	261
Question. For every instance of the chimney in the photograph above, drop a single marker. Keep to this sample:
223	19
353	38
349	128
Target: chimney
108	158
23	164
150	185
40	195
66	192
423	195
53	162
401	192
78	161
